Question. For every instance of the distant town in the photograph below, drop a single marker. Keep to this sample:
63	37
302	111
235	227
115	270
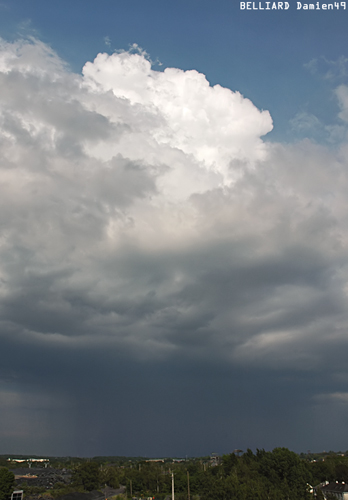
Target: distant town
240	475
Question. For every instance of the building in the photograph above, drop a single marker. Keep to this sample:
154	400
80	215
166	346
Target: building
339	490
17	495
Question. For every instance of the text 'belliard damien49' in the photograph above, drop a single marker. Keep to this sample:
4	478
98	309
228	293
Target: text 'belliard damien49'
287	6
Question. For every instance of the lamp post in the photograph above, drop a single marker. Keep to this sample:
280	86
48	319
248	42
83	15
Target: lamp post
172	485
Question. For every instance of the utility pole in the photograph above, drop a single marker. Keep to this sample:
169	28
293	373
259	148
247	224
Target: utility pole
131	488
188	485
172	485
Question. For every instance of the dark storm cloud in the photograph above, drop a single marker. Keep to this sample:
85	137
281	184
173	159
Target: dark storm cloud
169	283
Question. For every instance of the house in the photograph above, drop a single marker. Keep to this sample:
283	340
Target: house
339	490
17	495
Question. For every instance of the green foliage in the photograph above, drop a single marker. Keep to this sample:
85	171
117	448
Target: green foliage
147	479
276	475
63	490
265	475
284	469
32	490
7	482
320	495
228	463
109	475
331	467
322	471
87	475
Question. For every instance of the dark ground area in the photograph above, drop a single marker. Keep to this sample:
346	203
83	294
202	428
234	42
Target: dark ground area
104	494
43	477
93	495
111	492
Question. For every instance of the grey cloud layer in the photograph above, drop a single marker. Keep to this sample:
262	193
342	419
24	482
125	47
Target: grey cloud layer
144	222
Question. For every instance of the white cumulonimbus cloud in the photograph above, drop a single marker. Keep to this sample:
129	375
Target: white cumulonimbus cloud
213	125
143	210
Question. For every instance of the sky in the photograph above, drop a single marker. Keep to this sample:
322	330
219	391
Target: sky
173	227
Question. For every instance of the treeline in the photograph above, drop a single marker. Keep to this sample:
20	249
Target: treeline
275	475
265	475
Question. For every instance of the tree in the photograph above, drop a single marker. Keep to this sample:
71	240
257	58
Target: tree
7	482
229	462
87	476
111	477
286	471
